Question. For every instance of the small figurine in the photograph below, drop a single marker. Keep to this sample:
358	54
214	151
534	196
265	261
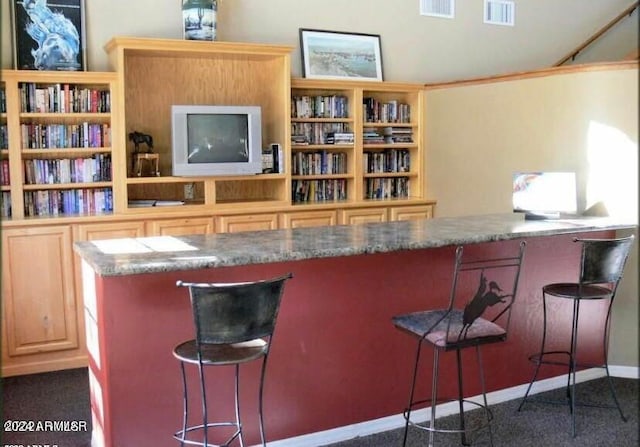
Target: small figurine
138	138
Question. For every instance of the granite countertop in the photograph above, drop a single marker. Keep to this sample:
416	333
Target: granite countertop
172	253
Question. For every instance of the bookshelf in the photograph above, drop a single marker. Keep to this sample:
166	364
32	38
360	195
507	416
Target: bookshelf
58	144
380	145
325	156
158	73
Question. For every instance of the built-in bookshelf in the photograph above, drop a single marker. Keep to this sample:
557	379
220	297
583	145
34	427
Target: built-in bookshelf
355	141
5	177
59	144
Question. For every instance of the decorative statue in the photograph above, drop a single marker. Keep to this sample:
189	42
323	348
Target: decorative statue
138	138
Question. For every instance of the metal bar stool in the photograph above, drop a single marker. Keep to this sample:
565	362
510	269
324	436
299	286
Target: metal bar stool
234	324
601	268
479	311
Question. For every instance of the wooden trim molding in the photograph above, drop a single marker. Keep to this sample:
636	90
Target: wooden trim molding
566	69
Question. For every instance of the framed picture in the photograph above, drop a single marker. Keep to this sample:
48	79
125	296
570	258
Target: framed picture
48	35
338	55
199	19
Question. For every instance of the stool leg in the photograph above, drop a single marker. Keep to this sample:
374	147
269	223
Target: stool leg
185	403
484	394
407	415
461	398
542	348
605	343
204	405
260	400
434	394
237	403
573	364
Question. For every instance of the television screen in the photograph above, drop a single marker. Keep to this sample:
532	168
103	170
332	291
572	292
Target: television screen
211	140
544	192
217	138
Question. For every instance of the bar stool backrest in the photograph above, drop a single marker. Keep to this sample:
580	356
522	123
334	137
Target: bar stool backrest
483	287
235	312
603	260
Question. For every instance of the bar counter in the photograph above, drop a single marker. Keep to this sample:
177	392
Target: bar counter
164	254
336	359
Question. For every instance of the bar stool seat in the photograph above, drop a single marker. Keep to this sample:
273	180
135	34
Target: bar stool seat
234	324
601	268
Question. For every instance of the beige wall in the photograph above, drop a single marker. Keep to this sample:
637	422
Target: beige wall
415	48
587	122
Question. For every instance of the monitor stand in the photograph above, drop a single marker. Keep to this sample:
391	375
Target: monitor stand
540	216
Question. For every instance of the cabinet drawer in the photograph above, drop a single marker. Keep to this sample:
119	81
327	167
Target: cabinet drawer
308	219
246	222
411	212
180	227
362	215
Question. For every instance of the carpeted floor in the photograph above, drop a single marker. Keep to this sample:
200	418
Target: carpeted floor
64	396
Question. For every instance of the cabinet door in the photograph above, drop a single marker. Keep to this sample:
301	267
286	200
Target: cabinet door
412	212
180	227
247	222
40	315
308	219
363	215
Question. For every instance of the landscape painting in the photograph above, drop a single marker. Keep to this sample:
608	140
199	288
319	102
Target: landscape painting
336	55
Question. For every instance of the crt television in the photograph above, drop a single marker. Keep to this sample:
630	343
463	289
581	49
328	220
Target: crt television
216	140
544	194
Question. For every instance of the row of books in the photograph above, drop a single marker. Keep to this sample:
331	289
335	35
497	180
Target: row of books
329	106
387	188
321	133
398	135
304	191
5	178
67	170
3	101
5	204
53	203
321	162
63	98
389	160
45	136
4	137
376	111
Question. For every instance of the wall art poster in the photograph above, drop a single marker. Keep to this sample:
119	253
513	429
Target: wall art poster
48	35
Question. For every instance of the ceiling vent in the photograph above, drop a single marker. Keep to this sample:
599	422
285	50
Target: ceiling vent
499	12
438	8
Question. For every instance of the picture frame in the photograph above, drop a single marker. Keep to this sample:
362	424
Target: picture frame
340	55
49	37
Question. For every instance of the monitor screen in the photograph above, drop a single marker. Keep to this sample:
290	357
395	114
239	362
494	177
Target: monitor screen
217	138
545	192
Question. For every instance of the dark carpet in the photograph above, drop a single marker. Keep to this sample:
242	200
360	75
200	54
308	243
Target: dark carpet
64	396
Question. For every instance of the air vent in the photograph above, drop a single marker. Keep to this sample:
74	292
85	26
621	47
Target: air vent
499	12
438	8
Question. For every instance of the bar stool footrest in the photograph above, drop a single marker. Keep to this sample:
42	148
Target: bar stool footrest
180	435
486	423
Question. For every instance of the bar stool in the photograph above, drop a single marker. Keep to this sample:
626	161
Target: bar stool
234	324
480	303
601	267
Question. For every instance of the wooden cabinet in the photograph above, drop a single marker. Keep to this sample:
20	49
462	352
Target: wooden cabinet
58	152
109	230
244	222
41	318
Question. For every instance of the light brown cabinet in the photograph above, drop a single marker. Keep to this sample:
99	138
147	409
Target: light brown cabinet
41	317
